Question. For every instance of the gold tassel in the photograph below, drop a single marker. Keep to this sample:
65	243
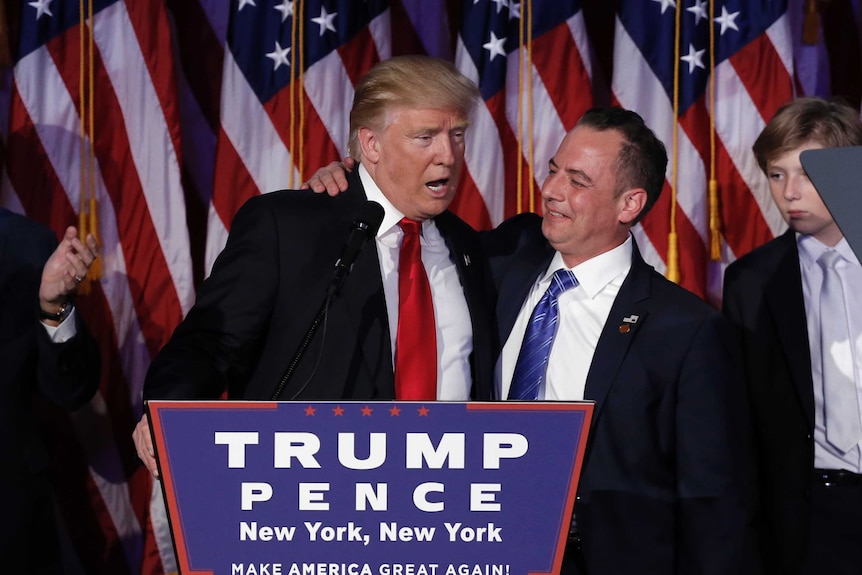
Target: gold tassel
811	23
672	258
714	222
95	271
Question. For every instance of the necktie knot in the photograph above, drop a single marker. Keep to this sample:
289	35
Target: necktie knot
410	227
829	259
562	280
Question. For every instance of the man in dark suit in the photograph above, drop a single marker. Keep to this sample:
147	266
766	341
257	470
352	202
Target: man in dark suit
663	487
663	484
810	487
56	361
407	130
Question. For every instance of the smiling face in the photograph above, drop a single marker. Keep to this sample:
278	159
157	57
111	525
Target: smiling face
797	199
416	158
585	212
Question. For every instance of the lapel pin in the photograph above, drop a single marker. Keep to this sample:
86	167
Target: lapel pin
466	259
627	323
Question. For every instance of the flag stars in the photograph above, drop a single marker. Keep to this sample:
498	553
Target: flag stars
43	7
395	411
727	20
279	56
694	58
501	4
494	46
310	411
699	11
422	411
665	4
244	3
514	11
325	20
338	411
286	9
366	411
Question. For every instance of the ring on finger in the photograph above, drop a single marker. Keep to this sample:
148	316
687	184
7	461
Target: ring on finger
79	279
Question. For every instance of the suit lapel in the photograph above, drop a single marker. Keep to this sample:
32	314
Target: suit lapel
628	314
787	309
366	302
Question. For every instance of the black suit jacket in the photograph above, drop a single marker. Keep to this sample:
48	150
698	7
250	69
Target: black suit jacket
266	288
662	489
33	368
763	297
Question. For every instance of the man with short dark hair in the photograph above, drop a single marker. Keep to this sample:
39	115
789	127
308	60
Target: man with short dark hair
662	489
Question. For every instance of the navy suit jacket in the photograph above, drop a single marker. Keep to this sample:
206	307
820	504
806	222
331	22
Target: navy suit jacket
763	297
663	487
266	288
65	374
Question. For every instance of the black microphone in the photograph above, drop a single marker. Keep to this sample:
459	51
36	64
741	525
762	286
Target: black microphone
363	228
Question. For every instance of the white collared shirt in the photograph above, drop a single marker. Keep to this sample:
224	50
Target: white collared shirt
451	314
850	271
583	310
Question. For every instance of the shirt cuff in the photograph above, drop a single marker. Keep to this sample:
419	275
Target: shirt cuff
63	332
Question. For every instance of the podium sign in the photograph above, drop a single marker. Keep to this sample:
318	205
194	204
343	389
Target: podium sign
396	488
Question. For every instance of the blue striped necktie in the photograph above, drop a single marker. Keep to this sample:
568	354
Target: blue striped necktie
536	348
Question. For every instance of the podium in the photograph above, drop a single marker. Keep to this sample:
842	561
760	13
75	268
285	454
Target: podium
369	488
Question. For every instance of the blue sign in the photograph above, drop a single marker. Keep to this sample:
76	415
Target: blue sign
396	488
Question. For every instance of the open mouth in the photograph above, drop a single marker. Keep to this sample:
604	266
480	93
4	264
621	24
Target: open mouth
438	186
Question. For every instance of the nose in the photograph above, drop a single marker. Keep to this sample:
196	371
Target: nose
549	187
794	186
446	150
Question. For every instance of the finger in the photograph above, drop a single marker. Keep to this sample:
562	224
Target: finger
93	244
71	233
83	251
349	163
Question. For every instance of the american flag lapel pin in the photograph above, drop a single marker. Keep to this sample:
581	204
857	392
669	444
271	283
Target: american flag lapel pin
466	259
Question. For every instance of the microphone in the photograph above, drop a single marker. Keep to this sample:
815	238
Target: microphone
363	228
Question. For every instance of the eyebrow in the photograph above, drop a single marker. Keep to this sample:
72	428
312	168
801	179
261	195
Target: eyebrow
572	172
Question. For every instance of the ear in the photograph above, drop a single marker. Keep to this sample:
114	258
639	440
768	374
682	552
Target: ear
632	202
369	145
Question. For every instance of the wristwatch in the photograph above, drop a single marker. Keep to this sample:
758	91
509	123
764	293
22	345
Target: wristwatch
61	315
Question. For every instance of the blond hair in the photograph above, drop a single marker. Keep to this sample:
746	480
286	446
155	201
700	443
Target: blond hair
409	82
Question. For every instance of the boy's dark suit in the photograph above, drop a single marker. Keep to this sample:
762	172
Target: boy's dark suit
66	374
663	484
266	288
763	296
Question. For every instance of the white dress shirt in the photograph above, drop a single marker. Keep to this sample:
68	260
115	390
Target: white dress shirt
451	314
825	455
583	311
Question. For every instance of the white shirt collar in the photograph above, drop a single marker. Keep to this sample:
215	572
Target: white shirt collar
597	272
810	250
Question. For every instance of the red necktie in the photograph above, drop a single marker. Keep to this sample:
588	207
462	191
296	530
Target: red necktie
416	344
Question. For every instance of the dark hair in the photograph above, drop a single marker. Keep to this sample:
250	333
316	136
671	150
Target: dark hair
642	159
830	123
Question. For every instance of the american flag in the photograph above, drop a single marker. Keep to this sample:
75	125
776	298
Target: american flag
531	62
194	114
147	284
752	76
282	107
